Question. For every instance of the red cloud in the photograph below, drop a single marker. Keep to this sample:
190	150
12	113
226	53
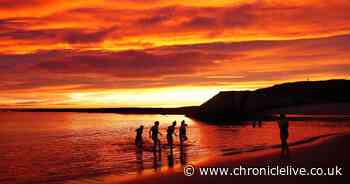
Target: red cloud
176	65
89	26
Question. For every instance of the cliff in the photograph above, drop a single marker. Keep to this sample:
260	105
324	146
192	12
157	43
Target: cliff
239	105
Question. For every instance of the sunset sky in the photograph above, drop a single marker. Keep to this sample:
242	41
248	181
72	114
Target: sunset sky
164	53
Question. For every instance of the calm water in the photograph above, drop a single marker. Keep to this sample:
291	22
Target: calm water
56	147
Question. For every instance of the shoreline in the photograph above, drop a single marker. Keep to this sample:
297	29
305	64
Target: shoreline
316	152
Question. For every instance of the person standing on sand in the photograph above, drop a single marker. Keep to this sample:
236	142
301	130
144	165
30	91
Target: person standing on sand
284	125
169	136
138	139
153	132
182	132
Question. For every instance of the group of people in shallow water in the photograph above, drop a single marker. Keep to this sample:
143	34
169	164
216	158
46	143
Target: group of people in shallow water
154	134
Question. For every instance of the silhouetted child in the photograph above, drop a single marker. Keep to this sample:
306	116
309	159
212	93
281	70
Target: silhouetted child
170	132
138	139
182	132
154	131
283	125
260	123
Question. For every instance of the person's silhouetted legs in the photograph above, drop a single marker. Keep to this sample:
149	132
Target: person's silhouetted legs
284	149
284	125
170	141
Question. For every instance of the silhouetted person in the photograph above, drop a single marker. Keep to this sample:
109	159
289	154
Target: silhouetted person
253	123
138	139
154	131
283	125
260	123
169	136
182	132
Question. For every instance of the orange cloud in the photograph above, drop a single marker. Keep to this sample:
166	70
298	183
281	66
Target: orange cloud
96	48
242	65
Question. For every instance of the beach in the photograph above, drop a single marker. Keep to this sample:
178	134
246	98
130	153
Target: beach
325	152
98	148
172	92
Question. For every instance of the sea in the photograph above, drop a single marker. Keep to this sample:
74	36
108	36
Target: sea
57	147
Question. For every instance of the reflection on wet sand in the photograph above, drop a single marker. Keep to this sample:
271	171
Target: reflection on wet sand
157	158
139	160
171	157
183	155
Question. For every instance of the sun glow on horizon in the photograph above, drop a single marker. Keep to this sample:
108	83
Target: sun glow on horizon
164	97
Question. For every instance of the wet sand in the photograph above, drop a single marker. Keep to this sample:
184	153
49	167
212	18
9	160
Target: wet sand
325	152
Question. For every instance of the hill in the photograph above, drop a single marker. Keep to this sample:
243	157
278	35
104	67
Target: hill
239	105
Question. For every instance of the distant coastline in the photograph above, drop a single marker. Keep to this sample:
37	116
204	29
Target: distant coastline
329	97
123	110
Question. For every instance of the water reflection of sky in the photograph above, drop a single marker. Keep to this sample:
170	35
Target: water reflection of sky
59	146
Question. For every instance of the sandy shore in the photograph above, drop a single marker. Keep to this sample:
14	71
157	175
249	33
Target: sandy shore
326	152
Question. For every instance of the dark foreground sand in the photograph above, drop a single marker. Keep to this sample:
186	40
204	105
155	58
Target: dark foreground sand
325	152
